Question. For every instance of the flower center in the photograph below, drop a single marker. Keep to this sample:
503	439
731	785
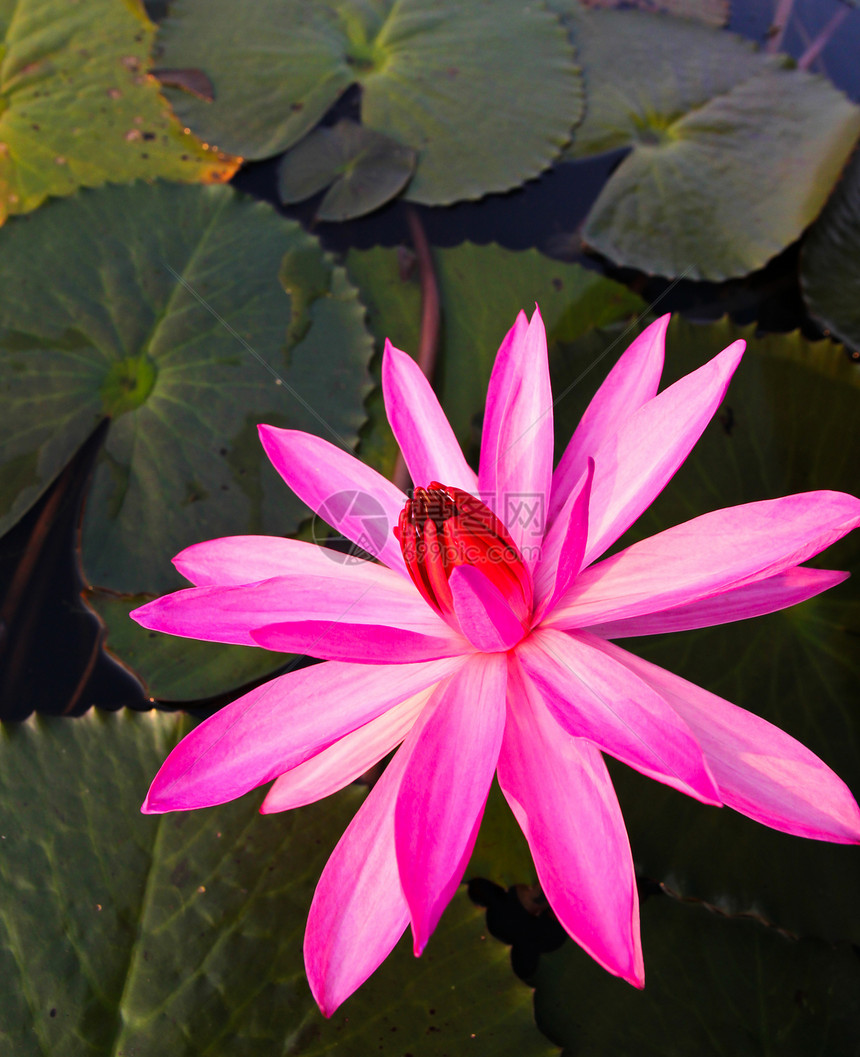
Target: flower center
441	528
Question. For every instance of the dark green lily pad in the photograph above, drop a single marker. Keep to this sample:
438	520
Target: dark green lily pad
79	108
365	170
175	669
482	288
501	853
181	934
160	308
790	423
711	187
486	94
713	985
830	260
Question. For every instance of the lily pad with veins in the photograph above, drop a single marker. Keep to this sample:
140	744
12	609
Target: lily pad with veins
487	94
163	308
730	155
364	168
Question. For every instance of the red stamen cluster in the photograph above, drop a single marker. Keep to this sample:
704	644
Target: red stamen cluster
442	527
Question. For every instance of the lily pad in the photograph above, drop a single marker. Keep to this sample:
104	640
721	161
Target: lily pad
713	984
711	187
80	109
501	853
485	93
790	422
365	170
172	669
181	934
830	260
481	290
711	12
160	309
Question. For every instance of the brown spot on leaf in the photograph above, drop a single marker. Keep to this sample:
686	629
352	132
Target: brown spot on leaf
114	93
132	134
193	81
131	62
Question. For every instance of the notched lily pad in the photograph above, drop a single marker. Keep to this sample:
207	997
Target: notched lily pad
159	307
485	94
79	107
364	168
182	933
711	187
830	260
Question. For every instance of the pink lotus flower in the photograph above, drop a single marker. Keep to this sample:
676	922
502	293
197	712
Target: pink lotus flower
482	643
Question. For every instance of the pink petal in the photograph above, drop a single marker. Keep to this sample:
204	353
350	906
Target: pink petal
561	795
338	640
358	911
354	499
724	549
564	546
279	725
484	616
761	771
632	382
365	593
429	447
345	760
516	446
610	706
454	746
633	466
737	603
248	559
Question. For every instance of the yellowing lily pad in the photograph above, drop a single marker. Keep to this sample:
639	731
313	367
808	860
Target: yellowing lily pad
181	934
160	308
78	107
830	260
731	155
486	94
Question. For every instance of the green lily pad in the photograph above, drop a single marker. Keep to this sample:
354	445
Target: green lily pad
790	423
365	170
486	94
79	108
481	290
160	308
711	12
501	853
830	260
175	669
181	934
711	187
713	985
